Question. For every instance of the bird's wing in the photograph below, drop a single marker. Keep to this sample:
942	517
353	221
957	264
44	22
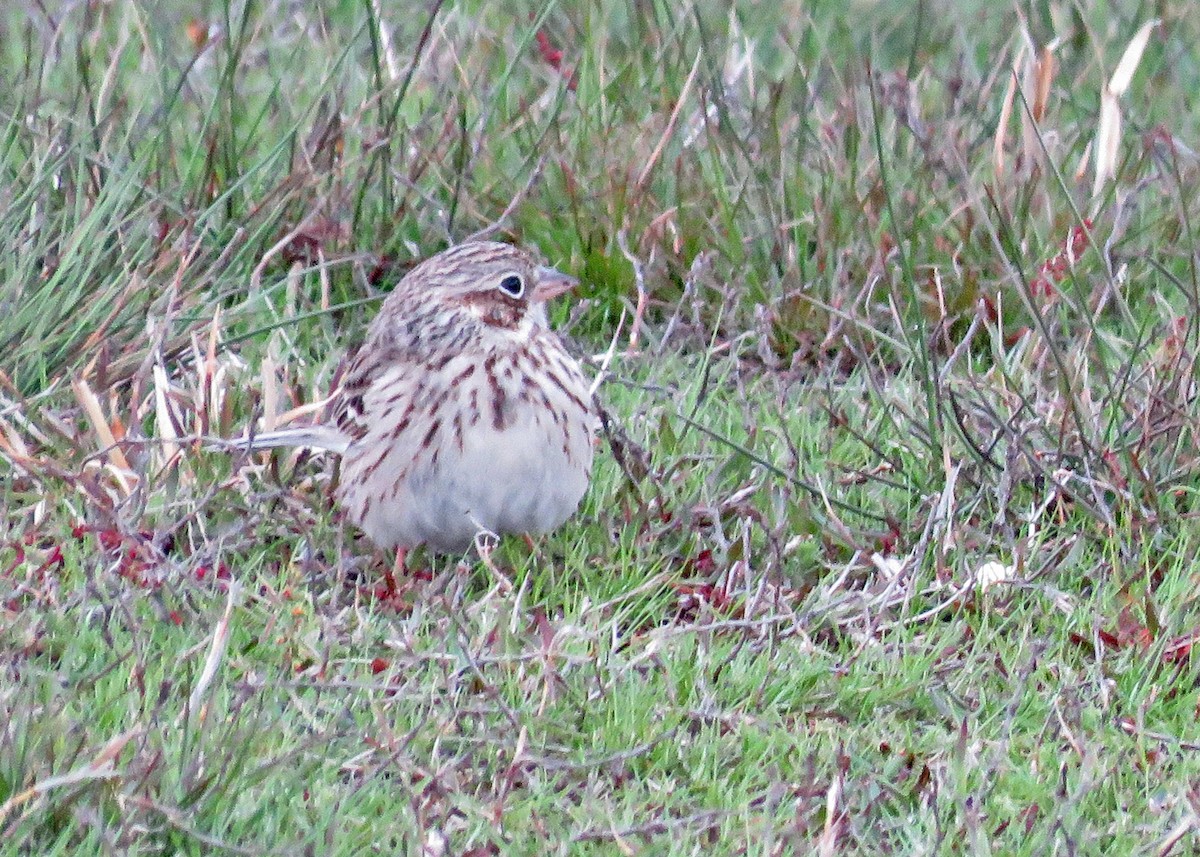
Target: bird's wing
349	411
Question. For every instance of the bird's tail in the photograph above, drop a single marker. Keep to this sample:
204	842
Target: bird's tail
314	437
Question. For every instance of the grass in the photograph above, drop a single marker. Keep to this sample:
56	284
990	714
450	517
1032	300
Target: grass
864	346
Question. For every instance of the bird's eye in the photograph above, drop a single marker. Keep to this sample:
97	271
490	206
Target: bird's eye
512	285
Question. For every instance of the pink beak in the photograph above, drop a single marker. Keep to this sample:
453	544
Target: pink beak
551	283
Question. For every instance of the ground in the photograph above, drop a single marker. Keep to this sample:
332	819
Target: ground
890	543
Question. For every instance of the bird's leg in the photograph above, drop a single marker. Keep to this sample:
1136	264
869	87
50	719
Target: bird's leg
485	545
397	570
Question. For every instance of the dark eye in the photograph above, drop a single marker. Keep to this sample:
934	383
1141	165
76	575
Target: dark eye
512	285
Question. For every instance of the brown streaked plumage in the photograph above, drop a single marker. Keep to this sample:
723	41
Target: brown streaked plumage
462	411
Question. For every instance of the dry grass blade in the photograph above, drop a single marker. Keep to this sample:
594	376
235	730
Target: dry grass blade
1122	76
1167	846
1108	132
644	177
1039	76
834	817
270	390
11	443
165	420
1043	81
385	41
1033	75
216	652
100	768
1108	141
1006	108
100	425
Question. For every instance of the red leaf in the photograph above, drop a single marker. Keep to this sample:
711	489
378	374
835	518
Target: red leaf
552	55
1180	648
545	630
1130	631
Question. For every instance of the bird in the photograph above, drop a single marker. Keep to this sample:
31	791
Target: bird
462	412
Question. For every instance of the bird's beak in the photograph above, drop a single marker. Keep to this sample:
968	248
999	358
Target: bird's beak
551	283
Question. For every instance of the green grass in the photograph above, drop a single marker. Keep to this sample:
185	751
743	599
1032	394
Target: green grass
866	367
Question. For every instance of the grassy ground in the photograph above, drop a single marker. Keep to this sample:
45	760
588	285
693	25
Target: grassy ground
890	550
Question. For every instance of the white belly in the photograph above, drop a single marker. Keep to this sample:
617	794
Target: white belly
512	481
526	477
